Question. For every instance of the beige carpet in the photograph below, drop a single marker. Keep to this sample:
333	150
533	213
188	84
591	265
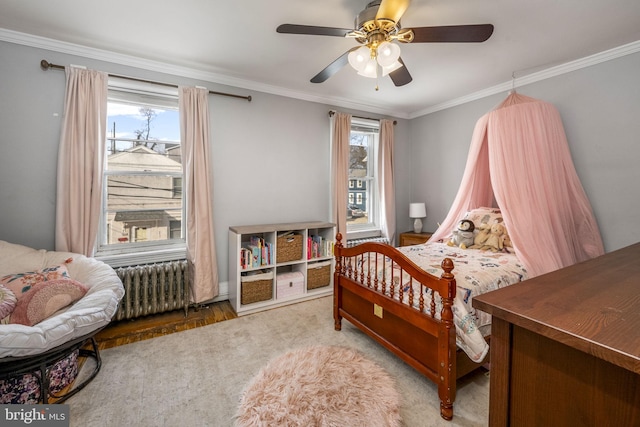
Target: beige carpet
196	377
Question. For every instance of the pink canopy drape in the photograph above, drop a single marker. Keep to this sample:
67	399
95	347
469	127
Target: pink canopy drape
519	161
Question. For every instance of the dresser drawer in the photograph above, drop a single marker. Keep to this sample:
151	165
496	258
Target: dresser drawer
411	238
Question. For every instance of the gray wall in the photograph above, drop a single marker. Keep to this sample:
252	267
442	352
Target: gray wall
600	109
270	156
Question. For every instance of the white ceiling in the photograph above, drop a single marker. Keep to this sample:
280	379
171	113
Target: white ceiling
235	42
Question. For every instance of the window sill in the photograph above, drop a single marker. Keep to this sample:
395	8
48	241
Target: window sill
125	259
354	235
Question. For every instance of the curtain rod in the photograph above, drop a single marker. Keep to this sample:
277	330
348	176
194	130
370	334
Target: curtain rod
331	113
46	65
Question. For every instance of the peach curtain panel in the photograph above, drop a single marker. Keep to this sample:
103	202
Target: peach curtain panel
520	157
201	251
387	186
81	161
340	165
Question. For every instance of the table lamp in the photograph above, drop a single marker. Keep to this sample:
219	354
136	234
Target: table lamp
417	211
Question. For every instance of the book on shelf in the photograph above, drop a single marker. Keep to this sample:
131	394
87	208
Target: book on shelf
257	252
256	255
245	258
319	247
267	250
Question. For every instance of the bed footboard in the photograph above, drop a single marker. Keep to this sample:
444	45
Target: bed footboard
405	309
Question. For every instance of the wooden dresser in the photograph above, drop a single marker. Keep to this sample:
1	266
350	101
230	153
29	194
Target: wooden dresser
411	238
565	346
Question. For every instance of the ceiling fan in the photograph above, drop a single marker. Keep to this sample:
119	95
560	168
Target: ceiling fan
377	27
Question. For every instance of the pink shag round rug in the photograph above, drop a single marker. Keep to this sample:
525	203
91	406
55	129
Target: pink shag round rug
320	386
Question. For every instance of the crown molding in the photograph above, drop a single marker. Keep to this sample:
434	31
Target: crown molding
162	67
547	73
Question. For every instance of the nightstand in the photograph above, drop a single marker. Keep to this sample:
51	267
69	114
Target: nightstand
411	238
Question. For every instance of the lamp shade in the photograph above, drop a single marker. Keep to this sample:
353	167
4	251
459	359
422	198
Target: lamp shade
359	57
388	53
417	210
370	69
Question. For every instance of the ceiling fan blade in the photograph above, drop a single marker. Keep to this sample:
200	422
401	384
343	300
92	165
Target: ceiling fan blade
452	33
312	30
401	76
392	10
334	67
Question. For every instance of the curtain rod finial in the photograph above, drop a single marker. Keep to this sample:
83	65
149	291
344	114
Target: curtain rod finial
45	64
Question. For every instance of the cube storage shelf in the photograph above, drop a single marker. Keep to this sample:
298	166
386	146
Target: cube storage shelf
303	247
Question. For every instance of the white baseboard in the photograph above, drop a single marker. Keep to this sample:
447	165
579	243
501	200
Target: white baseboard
223	295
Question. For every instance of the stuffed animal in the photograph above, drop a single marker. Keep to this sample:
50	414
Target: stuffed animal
463	235
482	235
495	241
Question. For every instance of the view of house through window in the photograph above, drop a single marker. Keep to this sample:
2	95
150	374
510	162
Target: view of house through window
143	197
362	203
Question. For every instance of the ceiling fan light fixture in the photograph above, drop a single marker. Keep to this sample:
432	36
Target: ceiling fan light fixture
359	57
378	31
370	69
388	54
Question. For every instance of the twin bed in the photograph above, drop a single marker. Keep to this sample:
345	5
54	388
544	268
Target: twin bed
416	302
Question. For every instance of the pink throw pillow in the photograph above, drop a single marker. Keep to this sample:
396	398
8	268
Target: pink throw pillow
481	216
20	283
46	298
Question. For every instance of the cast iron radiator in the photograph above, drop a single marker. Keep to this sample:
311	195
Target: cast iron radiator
355	242
153	288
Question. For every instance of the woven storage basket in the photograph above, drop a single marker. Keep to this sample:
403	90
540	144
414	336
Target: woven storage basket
289	248
318	275
256	288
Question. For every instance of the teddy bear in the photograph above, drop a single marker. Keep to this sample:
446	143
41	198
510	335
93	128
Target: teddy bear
495	240
463	235
508	246
482	235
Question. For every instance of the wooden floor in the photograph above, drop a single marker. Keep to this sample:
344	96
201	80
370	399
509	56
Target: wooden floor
128	331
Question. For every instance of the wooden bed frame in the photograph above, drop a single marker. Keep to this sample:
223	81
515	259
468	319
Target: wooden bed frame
425	342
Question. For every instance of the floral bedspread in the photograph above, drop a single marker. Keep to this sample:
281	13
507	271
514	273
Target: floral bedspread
476	272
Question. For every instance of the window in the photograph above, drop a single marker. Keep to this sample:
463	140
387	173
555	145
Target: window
143	203
362	207
177	187
175	228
